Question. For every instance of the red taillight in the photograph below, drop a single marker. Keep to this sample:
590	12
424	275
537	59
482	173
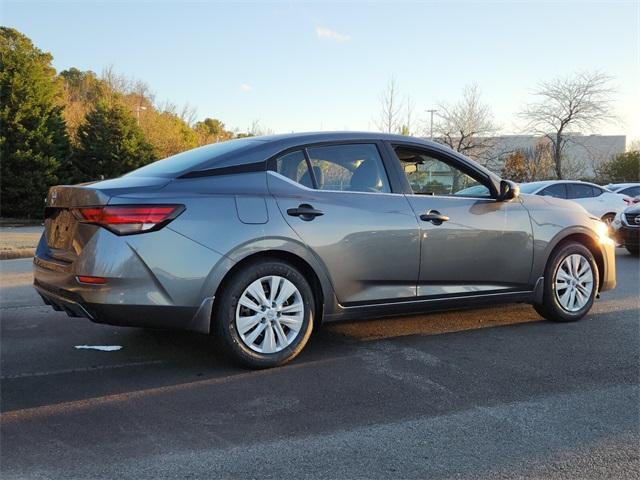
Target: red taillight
91	280
129	219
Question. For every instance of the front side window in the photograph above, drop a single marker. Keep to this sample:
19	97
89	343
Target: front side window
558	190
428	175
352	168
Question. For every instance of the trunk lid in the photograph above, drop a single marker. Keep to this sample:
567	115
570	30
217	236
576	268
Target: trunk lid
65	236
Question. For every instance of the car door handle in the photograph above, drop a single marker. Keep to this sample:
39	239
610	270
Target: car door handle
305	212
434	217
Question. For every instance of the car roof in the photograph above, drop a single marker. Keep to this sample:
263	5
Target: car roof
259	148
544	183
313	137
622	185
254	150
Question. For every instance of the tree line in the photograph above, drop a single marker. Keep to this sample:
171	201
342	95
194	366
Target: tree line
75	126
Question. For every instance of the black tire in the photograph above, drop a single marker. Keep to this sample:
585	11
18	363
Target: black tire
608	218
550	308
633	250
224	316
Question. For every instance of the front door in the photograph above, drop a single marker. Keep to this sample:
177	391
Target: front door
470	242
338	199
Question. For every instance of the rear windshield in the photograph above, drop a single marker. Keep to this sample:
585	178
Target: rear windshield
189	160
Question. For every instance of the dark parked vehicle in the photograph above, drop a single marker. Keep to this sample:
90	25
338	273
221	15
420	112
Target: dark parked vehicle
626	228
260	240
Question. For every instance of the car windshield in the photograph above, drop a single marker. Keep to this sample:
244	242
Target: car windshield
186	161
529	187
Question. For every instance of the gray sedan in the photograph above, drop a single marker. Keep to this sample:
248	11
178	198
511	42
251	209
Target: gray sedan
258	241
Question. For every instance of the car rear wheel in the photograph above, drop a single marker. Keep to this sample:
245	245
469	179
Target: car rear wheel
570	284
264	316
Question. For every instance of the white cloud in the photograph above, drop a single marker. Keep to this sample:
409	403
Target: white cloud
245	87
328	34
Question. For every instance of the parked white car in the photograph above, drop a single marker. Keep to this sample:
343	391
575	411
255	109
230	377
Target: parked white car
597	200
631	189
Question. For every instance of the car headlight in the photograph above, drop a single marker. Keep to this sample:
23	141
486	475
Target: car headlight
618	218
602	229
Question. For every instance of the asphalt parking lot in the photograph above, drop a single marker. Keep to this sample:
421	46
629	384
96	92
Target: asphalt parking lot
486	393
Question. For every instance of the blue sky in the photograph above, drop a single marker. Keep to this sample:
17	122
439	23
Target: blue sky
308	66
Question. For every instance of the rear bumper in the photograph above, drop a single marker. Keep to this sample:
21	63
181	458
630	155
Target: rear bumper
62	301
144	286
146	316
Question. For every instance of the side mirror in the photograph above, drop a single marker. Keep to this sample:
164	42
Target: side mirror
508	190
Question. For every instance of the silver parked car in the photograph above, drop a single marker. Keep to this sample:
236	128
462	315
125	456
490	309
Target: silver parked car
258	241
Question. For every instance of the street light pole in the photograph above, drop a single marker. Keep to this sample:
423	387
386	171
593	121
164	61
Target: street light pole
138	108
431	126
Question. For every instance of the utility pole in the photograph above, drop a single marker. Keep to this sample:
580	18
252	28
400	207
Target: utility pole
138	108
431	126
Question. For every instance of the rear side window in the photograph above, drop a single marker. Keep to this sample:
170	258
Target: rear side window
353	168
578	190
294	166
558	190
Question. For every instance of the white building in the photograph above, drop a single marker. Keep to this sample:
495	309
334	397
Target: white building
581	156
582	153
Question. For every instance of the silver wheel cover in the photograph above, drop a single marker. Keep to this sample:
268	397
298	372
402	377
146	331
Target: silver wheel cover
269	314
573	282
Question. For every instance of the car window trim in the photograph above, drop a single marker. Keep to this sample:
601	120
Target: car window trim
312	174
229	170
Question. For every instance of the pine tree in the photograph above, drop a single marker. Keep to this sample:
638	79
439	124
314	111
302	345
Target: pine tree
33	139
110	143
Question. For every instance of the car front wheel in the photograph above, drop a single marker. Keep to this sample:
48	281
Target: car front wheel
570	284
264	316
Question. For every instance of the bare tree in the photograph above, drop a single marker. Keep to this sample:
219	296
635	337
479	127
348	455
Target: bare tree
467	126
390	109
407	124
581	102
114	81
188	114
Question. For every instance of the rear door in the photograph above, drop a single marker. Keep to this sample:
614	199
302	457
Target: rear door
339	201
585	195
470	242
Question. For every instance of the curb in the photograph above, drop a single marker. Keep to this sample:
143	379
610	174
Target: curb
17	253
